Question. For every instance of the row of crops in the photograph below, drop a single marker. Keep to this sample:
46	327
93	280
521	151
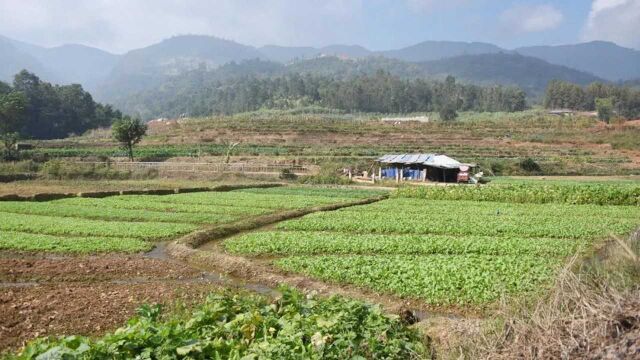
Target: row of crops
600	194
443	252
244	326
134	222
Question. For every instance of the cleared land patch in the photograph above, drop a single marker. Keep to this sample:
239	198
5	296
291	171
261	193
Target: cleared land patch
86	295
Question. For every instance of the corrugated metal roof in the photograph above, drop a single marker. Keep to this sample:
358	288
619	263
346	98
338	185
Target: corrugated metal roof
443	161
435	160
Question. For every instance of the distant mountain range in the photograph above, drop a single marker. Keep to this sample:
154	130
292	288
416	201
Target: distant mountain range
529	73
64	64
604	59
111	76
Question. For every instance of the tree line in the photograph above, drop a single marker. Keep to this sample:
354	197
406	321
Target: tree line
377	93
623	101
32	108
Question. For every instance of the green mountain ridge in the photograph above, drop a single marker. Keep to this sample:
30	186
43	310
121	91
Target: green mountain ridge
173	62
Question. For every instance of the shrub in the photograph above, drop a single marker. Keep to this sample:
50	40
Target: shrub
530	165
448	113
325	179
287	174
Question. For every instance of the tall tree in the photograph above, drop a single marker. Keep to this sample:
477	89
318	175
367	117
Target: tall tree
604	106
128	132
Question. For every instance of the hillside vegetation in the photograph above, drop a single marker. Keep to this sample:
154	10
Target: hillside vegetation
40	110
132	80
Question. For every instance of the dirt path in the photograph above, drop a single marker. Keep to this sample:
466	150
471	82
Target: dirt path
203	249
42	296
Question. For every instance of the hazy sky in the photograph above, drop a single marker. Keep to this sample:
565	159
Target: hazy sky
121	25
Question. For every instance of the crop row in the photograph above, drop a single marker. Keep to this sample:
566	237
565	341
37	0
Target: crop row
411	207
69	226
599	194
464	221
233	198
89	244
105	213
315	191
148	203
317	243
437	279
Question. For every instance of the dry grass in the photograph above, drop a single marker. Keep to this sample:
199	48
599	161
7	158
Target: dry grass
592	312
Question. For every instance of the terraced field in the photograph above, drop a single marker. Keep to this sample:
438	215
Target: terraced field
443	252
134	222
562	146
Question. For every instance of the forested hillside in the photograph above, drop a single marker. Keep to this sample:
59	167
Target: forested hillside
41	110
200	90
215	93
530	74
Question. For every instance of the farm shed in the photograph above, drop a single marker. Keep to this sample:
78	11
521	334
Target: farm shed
422	167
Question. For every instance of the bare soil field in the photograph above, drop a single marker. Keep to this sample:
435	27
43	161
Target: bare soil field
49	296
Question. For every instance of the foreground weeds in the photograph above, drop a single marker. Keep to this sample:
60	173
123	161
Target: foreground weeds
244	326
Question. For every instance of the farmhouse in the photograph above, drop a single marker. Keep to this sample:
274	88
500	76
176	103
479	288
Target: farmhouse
423	167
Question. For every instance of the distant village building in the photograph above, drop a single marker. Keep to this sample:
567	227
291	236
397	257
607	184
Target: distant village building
23	146
405	119
561	112
423	167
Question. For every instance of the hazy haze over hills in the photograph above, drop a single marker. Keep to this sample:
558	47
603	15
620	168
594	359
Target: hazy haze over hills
436	50
604	59
529	73
111	77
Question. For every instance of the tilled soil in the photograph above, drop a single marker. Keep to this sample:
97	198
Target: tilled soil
90	268
87	295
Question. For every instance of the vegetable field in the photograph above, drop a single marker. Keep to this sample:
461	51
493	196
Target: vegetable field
443	252
600	194
134	222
